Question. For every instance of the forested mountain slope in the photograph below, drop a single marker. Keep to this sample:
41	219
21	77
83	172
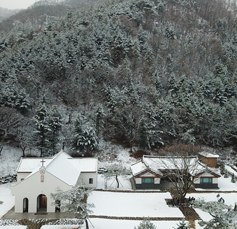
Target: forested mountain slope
143	73
5	13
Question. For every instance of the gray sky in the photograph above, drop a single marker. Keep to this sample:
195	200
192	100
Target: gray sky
16	4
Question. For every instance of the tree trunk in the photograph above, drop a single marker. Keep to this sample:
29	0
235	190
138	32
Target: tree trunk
23	151
116	177
182	199
1	148
87	225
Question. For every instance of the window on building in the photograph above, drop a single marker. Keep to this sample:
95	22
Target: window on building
90	180
148	180
206	180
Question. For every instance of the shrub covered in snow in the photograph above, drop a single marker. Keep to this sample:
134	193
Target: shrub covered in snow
182	225
146	224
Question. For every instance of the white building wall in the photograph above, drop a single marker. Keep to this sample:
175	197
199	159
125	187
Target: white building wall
21	176
138	180
85	177
32	187
215	180
196	180
157	181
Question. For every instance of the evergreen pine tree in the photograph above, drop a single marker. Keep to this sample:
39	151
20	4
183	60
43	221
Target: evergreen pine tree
99	120
235	207
143	136
146	224
42	129
222	168
55	125
182	225
226	175
85	138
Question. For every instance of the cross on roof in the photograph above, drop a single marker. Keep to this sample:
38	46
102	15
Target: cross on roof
42	161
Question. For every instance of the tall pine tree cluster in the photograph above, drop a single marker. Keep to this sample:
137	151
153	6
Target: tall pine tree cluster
144	73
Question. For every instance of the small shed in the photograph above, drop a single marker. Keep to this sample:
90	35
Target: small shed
208	158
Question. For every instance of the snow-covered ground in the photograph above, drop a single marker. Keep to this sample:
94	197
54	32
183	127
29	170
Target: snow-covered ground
230	199
230	170
225	184
9	160
7	198
132	204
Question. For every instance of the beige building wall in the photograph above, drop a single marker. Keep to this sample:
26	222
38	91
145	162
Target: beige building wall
138	180
157	181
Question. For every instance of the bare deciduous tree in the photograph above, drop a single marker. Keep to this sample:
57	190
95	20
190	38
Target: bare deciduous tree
10	120
25	135
116	170
181	171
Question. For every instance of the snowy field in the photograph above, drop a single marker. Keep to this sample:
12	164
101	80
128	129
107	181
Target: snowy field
7	198
132	204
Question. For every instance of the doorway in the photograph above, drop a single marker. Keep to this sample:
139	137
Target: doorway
25	205
42	203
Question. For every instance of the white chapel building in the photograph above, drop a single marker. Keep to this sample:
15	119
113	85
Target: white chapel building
37	178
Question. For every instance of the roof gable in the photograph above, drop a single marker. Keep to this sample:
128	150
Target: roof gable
148	173
63	169
207	171
140	168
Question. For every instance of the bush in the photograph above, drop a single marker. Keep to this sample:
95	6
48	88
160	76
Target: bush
146	224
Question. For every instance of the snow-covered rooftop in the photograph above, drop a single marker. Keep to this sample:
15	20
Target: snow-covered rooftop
158	164
163	163
63	169
62	166
138	168
208	155
85	164
27	165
